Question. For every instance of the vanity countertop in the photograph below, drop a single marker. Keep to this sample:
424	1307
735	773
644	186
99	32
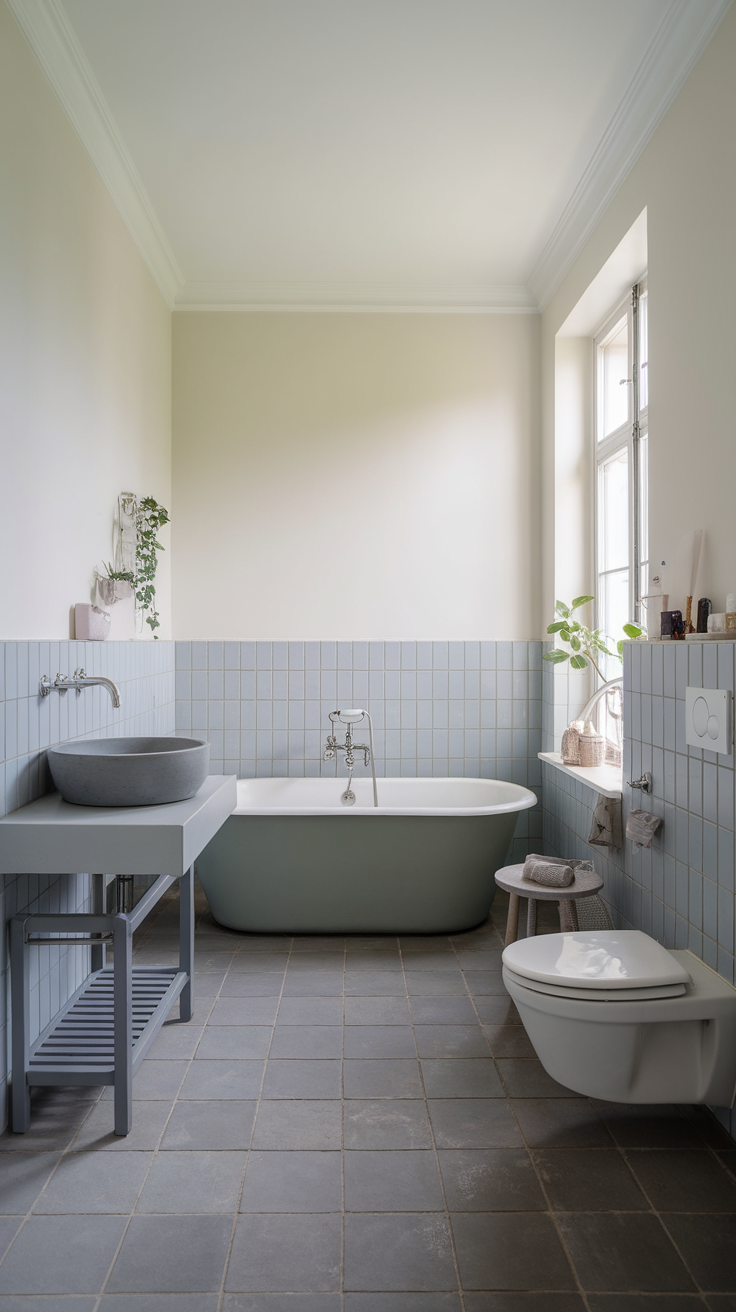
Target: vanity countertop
51	836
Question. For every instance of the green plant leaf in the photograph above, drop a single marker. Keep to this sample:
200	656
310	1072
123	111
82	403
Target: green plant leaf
575	643
578	662
632	630
620	647
580	601
557	655
562	609
555	628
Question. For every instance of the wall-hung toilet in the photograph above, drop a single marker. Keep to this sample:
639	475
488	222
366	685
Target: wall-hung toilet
614	1015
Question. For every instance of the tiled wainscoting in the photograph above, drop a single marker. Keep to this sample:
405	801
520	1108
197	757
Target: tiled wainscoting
681	890
144	673
438	708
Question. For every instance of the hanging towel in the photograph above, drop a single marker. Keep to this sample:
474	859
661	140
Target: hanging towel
641	828
606	828
546	870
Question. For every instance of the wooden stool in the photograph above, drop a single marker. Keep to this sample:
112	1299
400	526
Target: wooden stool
585	884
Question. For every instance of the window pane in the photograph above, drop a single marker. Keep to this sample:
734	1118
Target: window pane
643	520
614	599
614	379
613	512
643	351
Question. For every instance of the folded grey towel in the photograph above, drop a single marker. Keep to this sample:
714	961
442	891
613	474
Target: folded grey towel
641	827
543	870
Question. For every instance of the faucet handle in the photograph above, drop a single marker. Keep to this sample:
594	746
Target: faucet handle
80	673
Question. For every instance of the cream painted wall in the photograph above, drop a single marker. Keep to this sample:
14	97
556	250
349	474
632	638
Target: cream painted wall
355	476
686	177
85	369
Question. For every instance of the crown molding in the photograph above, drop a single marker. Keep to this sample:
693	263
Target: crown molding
678	44
52	40
356	298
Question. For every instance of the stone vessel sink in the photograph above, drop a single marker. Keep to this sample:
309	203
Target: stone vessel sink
129	771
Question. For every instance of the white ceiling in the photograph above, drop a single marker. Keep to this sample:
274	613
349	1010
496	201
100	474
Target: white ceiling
397	153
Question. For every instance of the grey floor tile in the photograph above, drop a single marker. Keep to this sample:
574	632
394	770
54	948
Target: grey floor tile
237	1042
382	1077
282	1303
315	1041
244	1011
9	1227
615	1251
707	1242
293	1182
301	1123
589	1180
647	1127
209	985
392	1182
176	1042
319	960
561	1123
154	1081
309	983
386	1123
509	1041
483	982
172	1254
473	1123
489	959
379	1041
655	1303
497	1009
246	985
310	1011
298	1253
377	959
427	983
149	1120
397	1252
524	1302
525	1077
182	1183
159	1303
222	1079
684	1181
381	1010
490	1180
81	1184
405	1302
475	1078
433	961
41	1137
451	1041
48	1303
259	963
22	1177
374	983
61	1255
439	1010
210	1126
515	1250
301	1078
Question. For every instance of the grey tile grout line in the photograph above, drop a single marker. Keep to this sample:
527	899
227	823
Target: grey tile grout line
448	1219
510	1104
236	1214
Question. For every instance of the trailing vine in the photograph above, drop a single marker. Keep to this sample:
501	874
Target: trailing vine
149	518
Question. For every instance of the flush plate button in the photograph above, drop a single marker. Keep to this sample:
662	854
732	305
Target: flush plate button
708	719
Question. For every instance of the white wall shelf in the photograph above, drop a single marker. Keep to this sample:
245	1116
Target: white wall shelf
605	779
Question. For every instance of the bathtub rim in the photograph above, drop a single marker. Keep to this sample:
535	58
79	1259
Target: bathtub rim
524	800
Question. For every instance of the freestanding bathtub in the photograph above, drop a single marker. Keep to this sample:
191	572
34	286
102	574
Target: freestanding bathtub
292	859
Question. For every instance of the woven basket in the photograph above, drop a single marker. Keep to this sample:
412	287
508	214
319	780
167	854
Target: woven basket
592	749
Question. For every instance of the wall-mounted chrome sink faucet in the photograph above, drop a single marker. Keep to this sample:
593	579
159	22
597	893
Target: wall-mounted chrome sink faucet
79	680
332	747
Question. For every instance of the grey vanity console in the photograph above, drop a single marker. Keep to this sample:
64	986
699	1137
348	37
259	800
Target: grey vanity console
103	1032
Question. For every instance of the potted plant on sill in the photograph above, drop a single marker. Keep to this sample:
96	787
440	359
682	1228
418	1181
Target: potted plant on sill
120	584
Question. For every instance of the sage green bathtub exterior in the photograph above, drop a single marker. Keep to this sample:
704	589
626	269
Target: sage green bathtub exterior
354	874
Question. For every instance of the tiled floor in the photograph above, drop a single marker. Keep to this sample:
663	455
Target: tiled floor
360	1125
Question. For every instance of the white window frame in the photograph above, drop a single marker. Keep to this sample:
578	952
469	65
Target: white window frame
631	436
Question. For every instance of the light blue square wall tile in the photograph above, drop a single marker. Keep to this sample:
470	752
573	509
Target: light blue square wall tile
232	683
456	655
264	685
376	655
183	655
504	655
472	656
520	655
456	683
232	655
345	687
280	656
247	656
215	681
215	655
424	655
280	684
488	655
263	655
726	798
280	715
311	656
440	655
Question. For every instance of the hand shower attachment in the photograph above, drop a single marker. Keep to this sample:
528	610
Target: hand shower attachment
350	718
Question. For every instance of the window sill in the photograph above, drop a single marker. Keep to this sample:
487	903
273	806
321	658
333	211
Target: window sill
605	779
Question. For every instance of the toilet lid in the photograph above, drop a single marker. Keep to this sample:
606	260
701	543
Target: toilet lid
582	994
611	959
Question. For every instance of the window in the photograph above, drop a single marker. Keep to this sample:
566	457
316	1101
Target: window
621	428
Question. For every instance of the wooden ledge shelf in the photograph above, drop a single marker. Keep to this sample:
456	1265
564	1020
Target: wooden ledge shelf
605	779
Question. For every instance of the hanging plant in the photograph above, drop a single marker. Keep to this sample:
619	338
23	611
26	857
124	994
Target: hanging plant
149	518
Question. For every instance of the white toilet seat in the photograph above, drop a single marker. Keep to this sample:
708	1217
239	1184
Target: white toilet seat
596	964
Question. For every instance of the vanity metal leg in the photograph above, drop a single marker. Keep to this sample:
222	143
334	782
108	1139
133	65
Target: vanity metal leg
186	942
20	1018
97	953
123	1023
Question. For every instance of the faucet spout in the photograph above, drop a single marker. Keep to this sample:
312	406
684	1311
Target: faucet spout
82	680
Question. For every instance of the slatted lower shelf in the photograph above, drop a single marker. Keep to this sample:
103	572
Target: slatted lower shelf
78	1046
